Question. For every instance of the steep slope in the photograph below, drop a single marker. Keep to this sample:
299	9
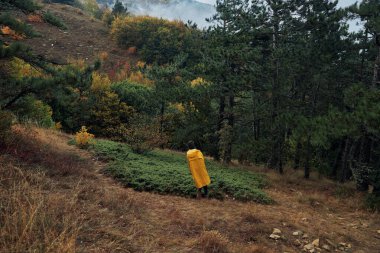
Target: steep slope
85	37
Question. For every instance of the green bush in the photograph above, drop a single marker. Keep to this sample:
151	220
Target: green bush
31	110
167	173
157	40
25	5
372	202
143	135
54	20
20	27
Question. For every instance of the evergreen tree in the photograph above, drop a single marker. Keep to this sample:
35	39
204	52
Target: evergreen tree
119	9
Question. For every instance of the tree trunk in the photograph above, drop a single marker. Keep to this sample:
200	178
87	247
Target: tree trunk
334	173
162	113
275	159
363	56
307	161
343	173
222	107
228	152
297	156
360	168
376	69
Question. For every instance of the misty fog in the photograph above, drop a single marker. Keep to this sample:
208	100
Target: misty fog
178	9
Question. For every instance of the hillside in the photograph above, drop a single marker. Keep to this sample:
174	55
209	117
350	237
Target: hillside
85	37
100	215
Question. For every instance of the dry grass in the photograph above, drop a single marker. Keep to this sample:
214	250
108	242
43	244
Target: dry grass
37	147
213	242
31	221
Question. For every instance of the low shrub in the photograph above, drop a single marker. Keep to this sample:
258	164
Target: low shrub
83	138
31	110
372	202
54	20
167	173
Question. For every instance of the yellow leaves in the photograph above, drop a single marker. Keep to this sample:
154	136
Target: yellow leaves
177	106
178	78
78	63
21	69
100	82
140	64
83	138
6	30
139	77
58	126
199	81
103	56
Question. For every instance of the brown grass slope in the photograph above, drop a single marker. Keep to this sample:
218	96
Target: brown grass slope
54	199
84	39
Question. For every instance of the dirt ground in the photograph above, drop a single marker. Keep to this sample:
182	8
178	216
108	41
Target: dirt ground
113	218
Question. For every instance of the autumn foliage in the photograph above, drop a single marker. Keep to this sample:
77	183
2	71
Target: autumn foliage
6	30
35	18
83	138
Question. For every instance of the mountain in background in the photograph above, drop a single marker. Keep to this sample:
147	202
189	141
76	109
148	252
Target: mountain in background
169	9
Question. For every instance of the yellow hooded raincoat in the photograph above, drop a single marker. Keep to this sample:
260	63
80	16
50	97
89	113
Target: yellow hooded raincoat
197	168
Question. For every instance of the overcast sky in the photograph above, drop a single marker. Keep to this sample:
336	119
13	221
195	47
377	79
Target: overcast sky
341	3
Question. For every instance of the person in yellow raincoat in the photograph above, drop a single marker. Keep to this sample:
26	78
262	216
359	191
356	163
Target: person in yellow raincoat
198	169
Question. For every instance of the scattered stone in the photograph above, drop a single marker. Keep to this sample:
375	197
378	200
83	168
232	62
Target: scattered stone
308	247
344	246
378	231
297	233
305	236
304	219
274	236
276	231
326	247
316	242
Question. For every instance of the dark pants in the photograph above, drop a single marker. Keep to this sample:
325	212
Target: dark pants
205	191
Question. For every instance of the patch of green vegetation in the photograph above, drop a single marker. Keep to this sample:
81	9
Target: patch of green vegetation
54	20
372	202
24	5
20	27
167	173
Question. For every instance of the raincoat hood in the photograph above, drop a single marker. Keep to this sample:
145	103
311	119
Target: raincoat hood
193	154
198	168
